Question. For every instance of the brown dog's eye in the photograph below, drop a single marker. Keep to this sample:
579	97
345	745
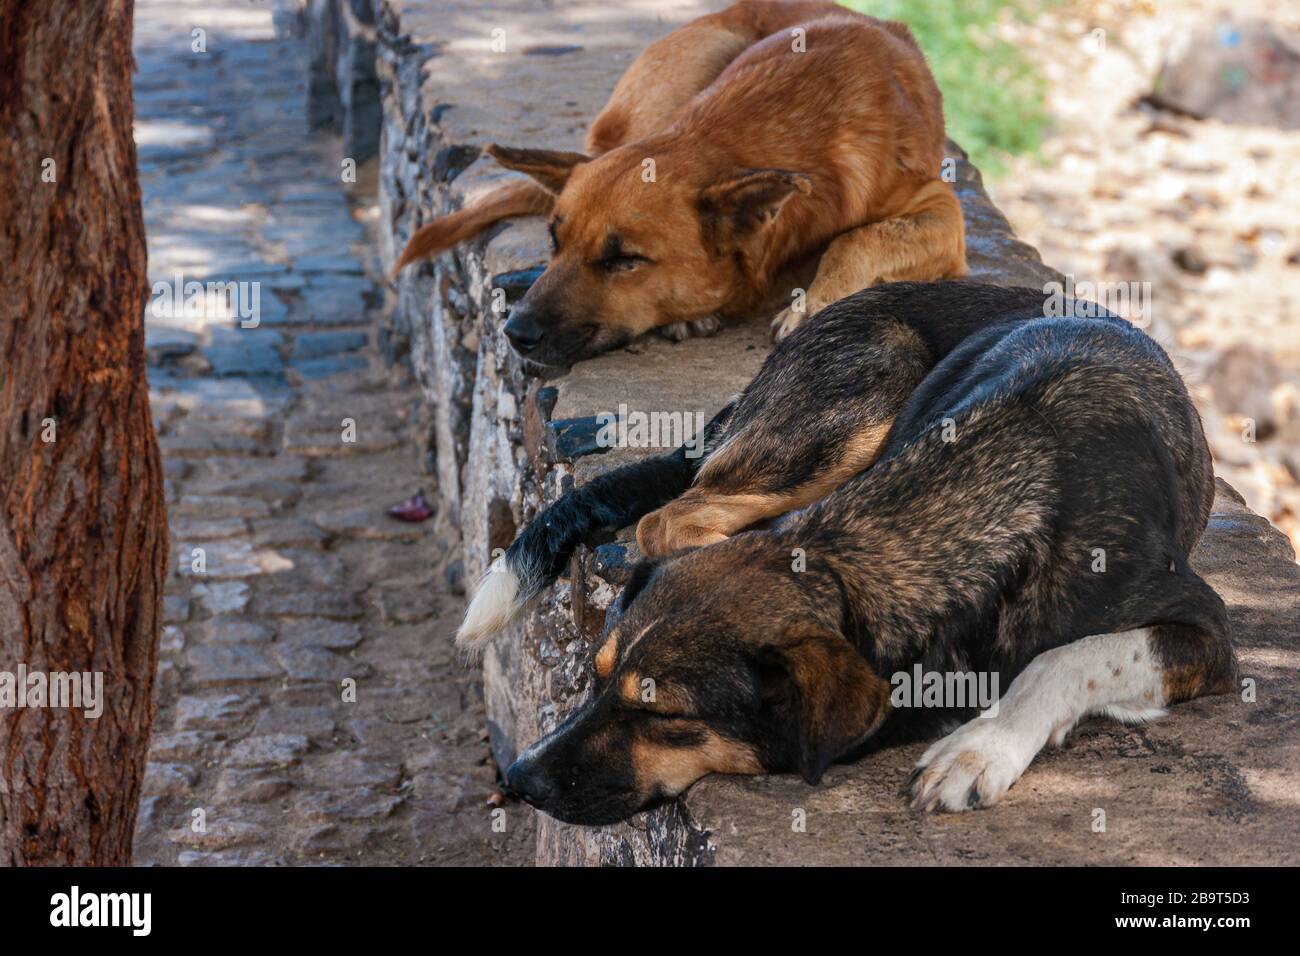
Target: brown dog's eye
621	263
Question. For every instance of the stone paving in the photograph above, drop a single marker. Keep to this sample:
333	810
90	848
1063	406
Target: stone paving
312	708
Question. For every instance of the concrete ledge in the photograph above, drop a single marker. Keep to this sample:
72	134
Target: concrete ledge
503	445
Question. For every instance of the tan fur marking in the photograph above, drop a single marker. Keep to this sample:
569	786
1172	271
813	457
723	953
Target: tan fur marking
700	518
630	687
1202	663
607	656
673	769
1188	681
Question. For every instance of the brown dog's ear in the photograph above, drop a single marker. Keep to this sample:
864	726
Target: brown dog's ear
550	167
839	700
736	208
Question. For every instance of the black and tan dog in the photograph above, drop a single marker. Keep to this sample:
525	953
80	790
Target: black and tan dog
946	467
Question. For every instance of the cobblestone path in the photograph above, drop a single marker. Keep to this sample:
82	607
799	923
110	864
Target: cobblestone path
311	706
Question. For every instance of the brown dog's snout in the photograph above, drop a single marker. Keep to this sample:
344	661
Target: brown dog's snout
523	330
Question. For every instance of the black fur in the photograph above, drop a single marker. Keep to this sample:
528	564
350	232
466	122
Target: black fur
608	502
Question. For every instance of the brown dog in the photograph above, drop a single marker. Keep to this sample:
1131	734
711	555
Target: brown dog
734	152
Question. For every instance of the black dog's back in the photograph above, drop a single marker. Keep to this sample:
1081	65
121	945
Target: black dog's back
978	347
944	314
1010	347
1050	474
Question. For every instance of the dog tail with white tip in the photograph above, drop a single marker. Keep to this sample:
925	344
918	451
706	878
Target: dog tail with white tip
609	502
540	553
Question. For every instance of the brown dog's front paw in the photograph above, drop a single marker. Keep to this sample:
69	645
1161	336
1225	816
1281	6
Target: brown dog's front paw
699	328
677	332
786	321
705	327
648	534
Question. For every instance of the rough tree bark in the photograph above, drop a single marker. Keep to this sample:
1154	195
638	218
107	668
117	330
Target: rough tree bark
83	534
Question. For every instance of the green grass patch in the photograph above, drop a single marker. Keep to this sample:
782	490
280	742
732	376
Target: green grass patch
993	99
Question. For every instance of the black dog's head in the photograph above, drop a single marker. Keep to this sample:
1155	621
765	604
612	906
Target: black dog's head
719	664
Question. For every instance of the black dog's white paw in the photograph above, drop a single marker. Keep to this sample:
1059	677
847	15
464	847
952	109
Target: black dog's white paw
972	767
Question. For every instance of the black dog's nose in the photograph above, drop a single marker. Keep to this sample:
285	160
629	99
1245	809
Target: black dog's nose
532	785
524	334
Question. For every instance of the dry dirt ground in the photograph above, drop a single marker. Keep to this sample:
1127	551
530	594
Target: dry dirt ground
311	707
1206	212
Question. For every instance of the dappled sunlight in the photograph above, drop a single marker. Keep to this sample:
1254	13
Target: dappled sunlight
248	21
213	216
174	135
1283	658
1276	786
195	315
1057	784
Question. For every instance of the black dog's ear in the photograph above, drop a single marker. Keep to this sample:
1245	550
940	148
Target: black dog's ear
642	572
549	167
837	698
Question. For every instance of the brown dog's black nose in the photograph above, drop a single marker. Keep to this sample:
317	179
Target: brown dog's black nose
533	786
524	334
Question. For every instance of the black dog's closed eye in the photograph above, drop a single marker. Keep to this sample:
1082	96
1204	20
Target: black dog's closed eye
664	714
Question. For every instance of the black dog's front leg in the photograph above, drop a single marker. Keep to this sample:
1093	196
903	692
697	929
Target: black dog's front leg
609	502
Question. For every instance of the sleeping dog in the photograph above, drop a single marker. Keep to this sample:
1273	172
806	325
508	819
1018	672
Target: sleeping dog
928	474
734	156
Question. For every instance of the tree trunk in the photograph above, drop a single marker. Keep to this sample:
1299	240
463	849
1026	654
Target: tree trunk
83	533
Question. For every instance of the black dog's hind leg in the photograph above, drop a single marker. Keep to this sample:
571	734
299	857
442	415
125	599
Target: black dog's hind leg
817	414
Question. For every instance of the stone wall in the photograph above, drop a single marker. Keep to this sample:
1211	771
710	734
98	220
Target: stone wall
455	76
343	90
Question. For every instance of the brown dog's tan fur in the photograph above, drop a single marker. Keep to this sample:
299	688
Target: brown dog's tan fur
763	157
